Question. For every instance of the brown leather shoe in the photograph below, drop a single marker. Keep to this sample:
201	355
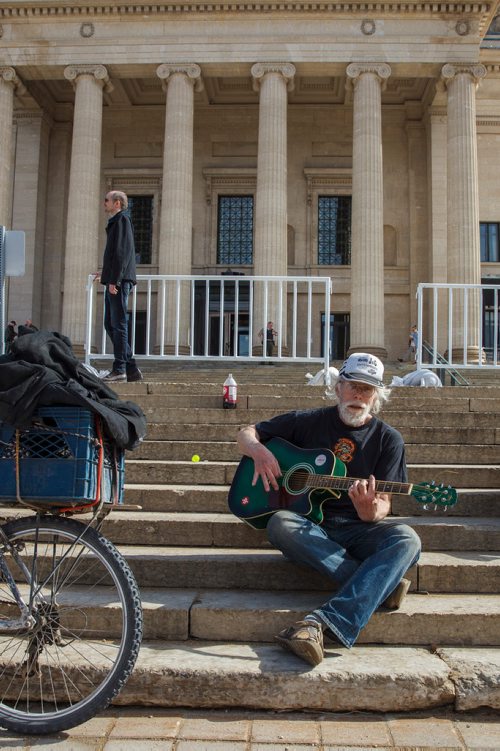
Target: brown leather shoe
395	599
305	639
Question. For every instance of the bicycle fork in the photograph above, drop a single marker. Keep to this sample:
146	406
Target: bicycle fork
26	621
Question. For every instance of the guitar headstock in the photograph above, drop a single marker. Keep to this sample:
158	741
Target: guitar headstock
429	493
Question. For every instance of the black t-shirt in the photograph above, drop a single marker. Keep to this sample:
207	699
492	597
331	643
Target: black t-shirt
372	449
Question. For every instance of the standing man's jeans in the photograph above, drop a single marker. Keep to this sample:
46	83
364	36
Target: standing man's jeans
116	325
379	555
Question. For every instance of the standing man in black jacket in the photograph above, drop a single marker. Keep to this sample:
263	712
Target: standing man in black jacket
118	275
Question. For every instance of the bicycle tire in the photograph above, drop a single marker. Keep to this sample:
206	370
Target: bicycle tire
68	666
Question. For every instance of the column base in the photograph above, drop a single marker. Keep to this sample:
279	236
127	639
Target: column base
475	356
379	352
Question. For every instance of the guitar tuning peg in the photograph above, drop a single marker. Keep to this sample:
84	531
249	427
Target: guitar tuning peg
426	507
445	508
435	507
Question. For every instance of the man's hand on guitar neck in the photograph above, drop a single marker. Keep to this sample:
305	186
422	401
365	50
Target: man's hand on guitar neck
266	464
370	506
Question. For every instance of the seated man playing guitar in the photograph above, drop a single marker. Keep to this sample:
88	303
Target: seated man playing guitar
355	545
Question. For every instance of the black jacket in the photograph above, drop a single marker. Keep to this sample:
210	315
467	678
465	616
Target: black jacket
119	255
42	370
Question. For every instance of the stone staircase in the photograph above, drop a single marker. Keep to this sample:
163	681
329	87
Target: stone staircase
215	593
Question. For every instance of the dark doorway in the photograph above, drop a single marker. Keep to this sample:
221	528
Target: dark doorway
339	335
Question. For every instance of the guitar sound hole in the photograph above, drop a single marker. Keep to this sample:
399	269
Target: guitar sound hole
297	481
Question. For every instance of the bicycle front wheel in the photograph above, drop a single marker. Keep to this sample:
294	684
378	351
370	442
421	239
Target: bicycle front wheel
86	629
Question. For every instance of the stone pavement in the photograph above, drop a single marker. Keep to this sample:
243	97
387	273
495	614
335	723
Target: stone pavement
134	728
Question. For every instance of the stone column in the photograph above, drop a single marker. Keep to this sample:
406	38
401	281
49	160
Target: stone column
437	190
273	80
85	203
176	223
464	257
8	84
367	249
29	212
418	225
59	164
438	219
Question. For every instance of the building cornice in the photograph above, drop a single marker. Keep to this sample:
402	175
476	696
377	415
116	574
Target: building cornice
10	9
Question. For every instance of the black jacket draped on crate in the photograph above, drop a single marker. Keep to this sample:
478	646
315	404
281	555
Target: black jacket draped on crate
41	370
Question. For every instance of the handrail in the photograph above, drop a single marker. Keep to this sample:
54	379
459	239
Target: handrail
456	378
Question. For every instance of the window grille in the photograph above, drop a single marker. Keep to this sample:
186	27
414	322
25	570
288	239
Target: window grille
141	215
489	233
334	230
235	230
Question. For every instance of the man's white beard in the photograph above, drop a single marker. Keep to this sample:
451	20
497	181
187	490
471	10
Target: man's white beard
353	419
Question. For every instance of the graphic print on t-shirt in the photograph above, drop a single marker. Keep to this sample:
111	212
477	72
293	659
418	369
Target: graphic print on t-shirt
344	450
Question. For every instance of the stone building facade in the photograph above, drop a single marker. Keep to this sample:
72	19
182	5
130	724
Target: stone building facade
356	140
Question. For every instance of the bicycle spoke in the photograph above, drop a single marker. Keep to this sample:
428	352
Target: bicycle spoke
70	662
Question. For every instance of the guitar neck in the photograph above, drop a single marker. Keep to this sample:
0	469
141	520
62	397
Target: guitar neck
344	483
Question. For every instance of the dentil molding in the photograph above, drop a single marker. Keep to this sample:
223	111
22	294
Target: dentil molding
64	9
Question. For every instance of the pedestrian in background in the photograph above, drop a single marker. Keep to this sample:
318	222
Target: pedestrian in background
411	352
270	338
119	277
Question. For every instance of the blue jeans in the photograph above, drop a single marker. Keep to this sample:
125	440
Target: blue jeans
116	325
367	560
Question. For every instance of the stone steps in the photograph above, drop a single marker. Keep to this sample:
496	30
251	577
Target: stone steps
225	530
213	530
221	473
233	419
452	571
286	402
276	386
416	434
377	678
228	451
213	499
256	616
209	530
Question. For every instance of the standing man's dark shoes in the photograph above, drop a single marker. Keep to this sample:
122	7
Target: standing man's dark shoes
115	377
134	375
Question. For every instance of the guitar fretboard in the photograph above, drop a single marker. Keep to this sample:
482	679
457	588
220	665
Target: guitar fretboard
344	483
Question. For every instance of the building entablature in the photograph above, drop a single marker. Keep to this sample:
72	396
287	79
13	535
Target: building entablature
142	30
63	9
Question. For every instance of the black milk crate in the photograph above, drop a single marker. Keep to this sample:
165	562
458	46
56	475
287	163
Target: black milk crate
58	460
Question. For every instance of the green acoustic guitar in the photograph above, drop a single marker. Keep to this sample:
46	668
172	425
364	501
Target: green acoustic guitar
309	478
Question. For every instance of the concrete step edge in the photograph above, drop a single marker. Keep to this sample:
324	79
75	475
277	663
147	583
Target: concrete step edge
387	679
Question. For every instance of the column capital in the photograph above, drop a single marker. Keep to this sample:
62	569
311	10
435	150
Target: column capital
9	75
98	72
191	70
259	70
476	71
354	71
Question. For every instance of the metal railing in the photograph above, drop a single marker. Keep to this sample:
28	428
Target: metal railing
218	318
456	378
460	326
